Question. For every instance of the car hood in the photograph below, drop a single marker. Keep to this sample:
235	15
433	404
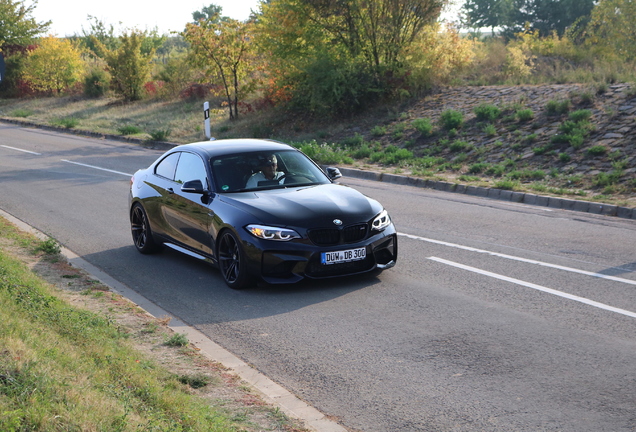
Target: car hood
313	206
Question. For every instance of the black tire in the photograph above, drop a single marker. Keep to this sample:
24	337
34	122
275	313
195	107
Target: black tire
232	261
141	233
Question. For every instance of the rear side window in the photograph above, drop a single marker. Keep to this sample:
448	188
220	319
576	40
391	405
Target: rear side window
167	166
191	167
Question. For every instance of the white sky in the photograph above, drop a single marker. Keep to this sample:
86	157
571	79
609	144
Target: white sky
70	16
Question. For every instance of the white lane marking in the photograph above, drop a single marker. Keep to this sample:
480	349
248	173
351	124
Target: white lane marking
537	287
97	168
21	150
510	257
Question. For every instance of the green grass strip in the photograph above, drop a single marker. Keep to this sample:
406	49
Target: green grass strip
64	368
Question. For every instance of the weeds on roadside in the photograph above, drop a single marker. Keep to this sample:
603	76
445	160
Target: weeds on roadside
21	113
177	340
129	130
160	134
67	122
49	247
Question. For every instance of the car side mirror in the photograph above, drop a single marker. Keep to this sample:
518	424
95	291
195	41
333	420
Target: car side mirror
333	173
193	186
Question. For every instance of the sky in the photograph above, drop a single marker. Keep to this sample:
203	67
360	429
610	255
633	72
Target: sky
70	17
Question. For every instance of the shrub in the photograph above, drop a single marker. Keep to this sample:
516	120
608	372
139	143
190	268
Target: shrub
160	134
487	112
542	149
580	115
530	138
557	107
321	153
478	167
96	83
423	126
517	64
54	66
496	170
428	162
361	153
378	131
597	150
587	98
355	141
451	119
605	179
129	65
564	157
524	115
490	130
459	145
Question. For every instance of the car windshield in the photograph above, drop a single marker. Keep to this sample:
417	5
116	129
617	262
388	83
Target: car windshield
265	170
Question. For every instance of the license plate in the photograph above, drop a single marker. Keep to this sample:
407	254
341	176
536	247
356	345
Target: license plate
343	256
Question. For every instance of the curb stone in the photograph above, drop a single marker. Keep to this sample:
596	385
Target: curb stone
499	194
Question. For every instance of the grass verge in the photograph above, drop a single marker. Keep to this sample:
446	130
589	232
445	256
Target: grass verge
64	367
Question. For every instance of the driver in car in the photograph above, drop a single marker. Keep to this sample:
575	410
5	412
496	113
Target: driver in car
268	172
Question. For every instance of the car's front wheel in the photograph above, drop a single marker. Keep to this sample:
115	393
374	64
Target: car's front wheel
232	261
141	233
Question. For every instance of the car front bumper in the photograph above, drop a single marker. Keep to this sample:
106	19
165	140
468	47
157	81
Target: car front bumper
290	264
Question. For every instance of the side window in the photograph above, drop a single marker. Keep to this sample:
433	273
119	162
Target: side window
191	167
167	166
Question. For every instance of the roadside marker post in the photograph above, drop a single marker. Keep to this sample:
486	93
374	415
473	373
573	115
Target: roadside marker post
2	67
206	119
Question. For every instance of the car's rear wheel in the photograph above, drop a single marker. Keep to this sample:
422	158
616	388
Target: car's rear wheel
232	261
141	233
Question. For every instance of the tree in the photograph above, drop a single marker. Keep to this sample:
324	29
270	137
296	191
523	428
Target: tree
333	57
550	16
210	13
378	30
128	65
222	47
17	26
612	30
512	16
107	37
487	13
54	66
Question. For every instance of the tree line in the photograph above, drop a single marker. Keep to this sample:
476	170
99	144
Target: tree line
319	57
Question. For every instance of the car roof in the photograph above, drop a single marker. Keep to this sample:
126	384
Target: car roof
229	146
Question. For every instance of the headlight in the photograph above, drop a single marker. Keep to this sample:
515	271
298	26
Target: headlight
272	233
381	221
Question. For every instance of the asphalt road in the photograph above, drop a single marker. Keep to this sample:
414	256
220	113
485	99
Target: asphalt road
497	317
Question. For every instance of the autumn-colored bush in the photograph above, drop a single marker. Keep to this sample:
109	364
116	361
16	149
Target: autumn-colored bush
437	55
54	66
